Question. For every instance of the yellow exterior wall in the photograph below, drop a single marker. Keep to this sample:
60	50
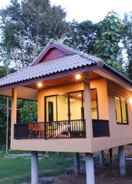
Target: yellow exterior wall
119	134
102	92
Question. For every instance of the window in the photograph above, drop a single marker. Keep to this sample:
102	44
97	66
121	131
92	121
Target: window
121	110
76	105
124	111
62	107
94	104
50	111
118	110
69	106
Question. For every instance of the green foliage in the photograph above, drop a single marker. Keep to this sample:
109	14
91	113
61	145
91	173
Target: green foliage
108	37
3	71
82	36
27	26
101	39
15	169
27	111
3	118
127	40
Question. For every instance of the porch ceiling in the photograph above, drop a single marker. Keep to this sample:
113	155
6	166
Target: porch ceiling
61	80
22	92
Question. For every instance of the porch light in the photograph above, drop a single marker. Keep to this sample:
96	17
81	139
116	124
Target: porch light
130	100
78	76
39	84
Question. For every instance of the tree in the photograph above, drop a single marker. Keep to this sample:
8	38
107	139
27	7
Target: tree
28	26
81	36
108	37
101	39
127	40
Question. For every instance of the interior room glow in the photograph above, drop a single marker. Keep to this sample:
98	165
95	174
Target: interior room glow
39	84
130	100
79	95
78	76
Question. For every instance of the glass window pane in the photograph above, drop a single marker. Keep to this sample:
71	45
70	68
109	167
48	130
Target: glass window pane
118	110
94	104
62	106
51	108
76	105
124	110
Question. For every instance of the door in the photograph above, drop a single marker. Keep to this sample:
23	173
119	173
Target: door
51	108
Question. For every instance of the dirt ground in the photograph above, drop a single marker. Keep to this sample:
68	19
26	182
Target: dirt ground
103	176
99	180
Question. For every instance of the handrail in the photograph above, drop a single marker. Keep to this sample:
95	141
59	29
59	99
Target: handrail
60	129
50	130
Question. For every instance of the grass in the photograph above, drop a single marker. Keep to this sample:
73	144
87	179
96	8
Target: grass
16	170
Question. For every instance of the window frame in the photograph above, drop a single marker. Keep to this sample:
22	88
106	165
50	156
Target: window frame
82	103
126	108
95	89
68	98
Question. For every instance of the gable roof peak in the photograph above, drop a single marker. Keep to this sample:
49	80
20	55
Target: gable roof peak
52	44
63	48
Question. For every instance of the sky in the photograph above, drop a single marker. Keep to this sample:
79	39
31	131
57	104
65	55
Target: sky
94	10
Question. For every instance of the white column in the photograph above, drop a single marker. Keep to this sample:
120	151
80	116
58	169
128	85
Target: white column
34	168
13	113
90	174
87	110
122	161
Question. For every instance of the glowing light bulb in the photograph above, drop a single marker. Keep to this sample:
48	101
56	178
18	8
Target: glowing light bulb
39	84
130	100
78	76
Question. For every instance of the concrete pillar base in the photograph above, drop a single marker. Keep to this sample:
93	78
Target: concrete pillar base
101	159
77	164
34	168
122	161
90	173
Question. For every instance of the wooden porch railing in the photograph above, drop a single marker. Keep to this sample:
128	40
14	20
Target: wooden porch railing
60	129
50	130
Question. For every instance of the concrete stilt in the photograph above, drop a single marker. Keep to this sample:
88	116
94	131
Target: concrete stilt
122	161
90	174
77	164
34	168
111	156
101	159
